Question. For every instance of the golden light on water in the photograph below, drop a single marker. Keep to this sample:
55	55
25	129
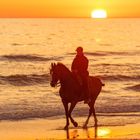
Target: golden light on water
103	132
99	13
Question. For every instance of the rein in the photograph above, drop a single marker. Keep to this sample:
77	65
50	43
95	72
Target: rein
58	84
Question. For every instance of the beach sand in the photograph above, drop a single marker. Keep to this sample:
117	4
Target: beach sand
44	129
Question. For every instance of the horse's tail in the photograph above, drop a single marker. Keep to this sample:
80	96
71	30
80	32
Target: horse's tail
99	80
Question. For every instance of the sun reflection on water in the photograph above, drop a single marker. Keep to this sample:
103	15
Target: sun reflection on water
103	132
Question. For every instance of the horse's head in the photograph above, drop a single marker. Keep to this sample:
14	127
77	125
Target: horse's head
58	72
54	75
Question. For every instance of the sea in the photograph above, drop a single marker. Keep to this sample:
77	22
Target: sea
28	46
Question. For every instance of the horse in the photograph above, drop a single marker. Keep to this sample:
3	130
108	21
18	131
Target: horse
71	91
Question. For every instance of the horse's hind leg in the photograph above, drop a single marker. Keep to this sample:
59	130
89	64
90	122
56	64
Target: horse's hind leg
94	114
90	112
70	111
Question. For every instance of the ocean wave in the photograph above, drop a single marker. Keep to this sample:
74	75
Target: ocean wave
34	79
135	88
119	77
91	53
24	80
30	44
58	111
16	44
106	53
28	58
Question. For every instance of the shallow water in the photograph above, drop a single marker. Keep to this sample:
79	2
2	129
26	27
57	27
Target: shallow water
28	46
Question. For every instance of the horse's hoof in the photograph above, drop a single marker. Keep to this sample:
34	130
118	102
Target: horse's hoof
66	127
75	124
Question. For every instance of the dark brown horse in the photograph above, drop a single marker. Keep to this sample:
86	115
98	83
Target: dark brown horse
71	91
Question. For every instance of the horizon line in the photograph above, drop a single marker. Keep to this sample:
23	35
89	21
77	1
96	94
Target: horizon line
72	17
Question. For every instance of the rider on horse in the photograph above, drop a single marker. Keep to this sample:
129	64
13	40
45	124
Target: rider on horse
79	69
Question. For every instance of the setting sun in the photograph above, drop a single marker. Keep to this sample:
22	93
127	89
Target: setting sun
100	13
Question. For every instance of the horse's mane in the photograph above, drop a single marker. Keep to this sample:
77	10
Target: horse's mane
63	66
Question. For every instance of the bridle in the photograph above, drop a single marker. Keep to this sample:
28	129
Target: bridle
54	81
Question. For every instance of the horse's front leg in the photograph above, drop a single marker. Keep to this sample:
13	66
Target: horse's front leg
66	113
70	111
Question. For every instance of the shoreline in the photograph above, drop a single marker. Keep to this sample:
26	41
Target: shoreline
43	129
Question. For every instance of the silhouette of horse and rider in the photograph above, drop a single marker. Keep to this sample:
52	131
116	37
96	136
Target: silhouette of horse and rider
76	85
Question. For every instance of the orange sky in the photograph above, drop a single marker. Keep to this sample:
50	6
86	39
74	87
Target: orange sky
68	8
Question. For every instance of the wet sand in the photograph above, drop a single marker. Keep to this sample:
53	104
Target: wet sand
44	129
